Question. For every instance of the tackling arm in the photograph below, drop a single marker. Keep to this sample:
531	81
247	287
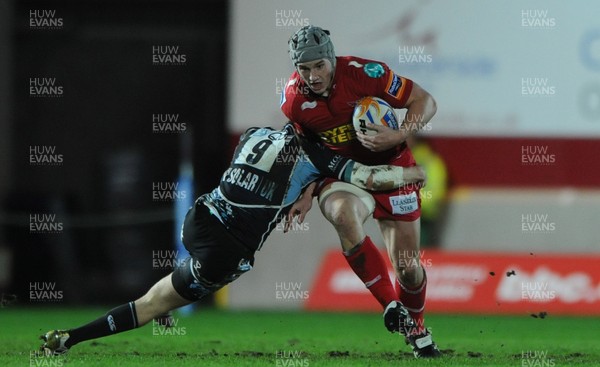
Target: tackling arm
382	177
378	178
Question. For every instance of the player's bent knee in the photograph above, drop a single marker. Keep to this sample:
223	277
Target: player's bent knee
346	188
186	283
345	205
191	279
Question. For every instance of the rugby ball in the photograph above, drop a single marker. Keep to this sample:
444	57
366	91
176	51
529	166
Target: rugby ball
375	111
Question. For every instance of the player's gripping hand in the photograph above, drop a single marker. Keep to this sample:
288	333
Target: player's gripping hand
300	208
386	138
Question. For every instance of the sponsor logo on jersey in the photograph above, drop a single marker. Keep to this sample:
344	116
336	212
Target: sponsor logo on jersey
250	181
308	104
395	86
374	70
335	161
404	204
339	135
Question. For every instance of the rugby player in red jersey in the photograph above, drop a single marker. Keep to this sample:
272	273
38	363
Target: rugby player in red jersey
319	98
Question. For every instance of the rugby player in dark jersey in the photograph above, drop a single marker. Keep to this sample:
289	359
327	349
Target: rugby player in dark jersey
222	231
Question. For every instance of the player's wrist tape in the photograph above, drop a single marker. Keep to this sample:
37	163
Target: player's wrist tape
383	177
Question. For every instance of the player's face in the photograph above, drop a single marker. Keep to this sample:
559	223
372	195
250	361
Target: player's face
318	74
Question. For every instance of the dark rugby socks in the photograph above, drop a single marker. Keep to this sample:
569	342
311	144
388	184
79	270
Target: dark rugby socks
115	321
367	262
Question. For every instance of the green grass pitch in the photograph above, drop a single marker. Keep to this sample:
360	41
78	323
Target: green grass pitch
227	338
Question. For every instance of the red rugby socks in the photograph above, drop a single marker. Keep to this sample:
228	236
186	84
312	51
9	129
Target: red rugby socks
413	298
366	261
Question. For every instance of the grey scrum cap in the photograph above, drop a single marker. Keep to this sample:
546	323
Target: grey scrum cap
311	43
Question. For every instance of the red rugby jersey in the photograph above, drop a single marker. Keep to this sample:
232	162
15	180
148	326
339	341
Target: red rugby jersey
331	117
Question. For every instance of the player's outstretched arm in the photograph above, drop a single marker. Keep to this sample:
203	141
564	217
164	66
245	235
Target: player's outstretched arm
383	177
378	178
300	208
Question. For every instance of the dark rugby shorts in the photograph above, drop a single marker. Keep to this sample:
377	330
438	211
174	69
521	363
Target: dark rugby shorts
216	258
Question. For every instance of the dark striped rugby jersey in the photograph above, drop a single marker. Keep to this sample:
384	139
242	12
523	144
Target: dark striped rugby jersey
267	174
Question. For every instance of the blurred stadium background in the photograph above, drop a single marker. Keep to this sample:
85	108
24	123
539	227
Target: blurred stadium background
108	110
